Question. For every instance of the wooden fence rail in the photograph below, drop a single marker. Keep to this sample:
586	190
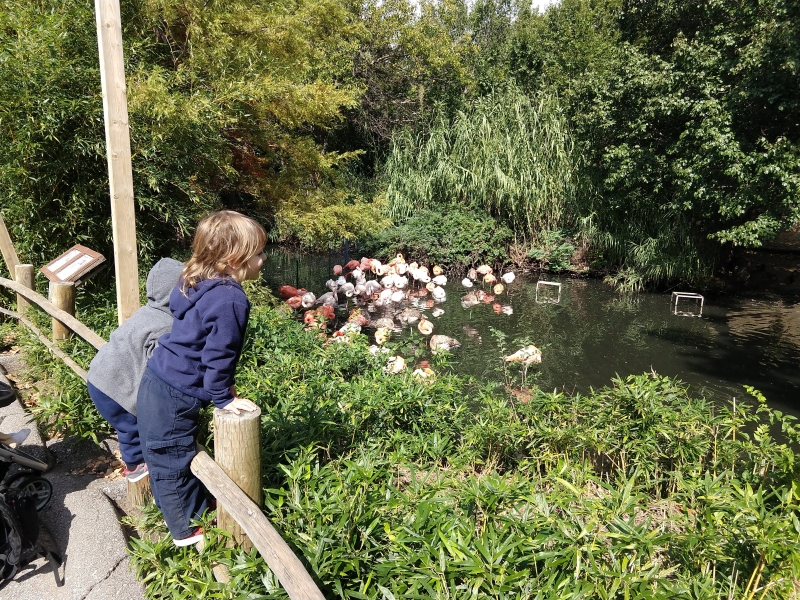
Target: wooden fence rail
243	510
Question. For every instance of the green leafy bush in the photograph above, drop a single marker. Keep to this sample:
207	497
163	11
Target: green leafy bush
552	250
455	239
388	487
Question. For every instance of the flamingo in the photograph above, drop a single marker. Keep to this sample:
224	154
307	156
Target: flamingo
382	335
467	282
489	279
472	274
294	302
395	365
373	287
384	323
498	289
337	270
469	300
484	270
307	300
508	277
527	355
423	370
437	270
440	280
438	293
442	343
358	317
330	299
425	327
287	291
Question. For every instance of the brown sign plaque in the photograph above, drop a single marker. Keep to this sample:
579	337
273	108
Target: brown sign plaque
75	265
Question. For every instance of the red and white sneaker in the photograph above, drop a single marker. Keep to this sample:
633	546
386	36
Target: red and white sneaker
197	536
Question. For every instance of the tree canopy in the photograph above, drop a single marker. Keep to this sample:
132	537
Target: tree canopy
682	118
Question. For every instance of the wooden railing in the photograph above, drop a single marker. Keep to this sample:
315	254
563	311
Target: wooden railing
237	470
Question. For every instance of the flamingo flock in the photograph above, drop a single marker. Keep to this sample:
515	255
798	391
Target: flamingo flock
388	297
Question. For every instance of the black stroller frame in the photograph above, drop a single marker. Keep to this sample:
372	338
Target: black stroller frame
22	495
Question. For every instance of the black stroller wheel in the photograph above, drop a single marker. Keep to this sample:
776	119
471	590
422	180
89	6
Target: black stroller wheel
10	542
38	488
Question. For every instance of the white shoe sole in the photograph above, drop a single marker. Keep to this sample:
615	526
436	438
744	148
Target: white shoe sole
188	541
138	477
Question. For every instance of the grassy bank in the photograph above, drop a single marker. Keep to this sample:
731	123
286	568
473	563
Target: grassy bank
388	486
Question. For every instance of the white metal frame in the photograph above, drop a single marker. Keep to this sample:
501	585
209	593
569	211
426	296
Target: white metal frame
676	296
548	283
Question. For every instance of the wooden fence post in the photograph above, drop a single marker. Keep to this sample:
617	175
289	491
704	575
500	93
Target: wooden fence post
7	249
23	274
237	450
62	295
273	548
139	492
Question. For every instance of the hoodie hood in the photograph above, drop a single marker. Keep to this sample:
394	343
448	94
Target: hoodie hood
180	303
161	280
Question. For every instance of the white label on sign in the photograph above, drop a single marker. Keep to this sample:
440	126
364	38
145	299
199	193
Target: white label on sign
74	267
64	260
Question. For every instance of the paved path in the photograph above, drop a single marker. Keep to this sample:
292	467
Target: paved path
81	523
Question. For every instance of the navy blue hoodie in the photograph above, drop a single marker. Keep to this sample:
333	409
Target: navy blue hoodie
199	355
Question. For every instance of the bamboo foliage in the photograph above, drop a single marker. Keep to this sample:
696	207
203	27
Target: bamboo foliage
509	155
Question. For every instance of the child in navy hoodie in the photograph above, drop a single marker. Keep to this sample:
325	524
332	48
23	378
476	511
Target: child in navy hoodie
194	364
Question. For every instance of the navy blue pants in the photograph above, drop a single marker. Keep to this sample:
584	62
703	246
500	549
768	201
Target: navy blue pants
123	422
168	425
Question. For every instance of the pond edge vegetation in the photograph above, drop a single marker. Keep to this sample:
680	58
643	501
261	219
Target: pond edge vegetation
390	486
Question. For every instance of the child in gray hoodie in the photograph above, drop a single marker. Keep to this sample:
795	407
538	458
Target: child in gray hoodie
116	370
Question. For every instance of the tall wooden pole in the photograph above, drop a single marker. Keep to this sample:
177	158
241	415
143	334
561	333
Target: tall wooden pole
118	147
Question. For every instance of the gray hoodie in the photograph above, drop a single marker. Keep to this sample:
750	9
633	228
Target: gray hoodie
117	368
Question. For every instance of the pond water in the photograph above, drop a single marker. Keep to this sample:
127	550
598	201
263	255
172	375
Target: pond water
592	333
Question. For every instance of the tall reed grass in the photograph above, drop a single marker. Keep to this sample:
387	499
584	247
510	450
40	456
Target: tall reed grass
508	154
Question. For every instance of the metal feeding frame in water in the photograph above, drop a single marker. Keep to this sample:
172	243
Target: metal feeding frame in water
548	300
676	297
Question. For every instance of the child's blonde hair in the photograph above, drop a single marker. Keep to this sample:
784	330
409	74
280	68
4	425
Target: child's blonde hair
223	240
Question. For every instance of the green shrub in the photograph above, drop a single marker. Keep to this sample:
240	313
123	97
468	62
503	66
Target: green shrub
387	487
455	239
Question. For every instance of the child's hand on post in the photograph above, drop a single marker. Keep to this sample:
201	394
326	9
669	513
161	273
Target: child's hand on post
240	403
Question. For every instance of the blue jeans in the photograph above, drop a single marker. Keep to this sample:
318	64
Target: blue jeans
123	422
168	425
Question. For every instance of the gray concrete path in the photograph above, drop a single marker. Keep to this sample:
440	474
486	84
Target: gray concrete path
81	523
